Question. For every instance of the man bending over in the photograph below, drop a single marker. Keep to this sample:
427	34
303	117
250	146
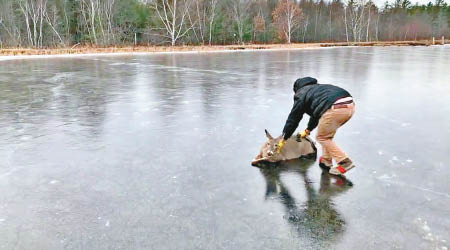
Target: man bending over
329	107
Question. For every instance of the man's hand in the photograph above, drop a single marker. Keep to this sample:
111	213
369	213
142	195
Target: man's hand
302	135
280	146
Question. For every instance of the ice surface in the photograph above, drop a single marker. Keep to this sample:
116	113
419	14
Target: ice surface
153	152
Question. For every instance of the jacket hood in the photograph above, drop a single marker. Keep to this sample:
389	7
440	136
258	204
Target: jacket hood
302	82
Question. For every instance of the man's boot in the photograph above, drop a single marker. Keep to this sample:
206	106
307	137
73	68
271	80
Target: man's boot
342	167
325	163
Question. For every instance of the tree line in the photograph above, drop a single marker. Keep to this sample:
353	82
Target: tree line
60	23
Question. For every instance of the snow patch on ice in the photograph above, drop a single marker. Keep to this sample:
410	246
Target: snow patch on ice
427	235
394	160
60	77
176	70
386	177
25	138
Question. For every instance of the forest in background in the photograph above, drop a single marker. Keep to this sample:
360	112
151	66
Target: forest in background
63	23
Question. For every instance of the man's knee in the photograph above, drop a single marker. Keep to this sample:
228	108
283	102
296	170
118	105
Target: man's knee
322	139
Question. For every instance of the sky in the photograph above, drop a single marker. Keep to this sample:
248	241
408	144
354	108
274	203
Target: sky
380	3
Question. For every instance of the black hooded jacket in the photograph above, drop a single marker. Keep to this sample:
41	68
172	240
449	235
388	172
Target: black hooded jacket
313	99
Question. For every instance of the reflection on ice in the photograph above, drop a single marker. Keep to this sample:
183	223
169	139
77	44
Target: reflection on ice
316	218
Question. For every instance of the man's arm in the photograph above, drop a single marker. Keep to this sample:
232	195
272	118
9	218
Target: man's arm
294	118
312	124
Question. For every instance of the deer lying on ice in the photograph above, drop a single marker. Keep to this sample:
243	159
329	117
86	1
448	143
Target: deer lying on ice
293	149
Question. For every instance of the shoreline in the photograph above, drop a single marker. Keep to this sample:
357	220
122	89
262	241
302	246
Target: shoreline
23	53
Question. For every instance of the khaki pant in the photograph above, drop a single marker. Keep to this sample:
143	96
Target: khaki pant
330	121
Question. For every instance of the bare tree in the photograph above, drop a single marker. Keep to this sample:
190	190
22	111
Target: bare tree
368	21
89	10
239	12
33	12
305	28
51	17
212	15
172	14
9	24
377	27
25	8
39	23
287	17
204	15
93	6
201	7
108	10
356	15
345	20
259	25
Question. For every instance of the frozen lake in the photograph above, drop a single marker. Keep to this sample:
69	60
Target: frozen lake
154	151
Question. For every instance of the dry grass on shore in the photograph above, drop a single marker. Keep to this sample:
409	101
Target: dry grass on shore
134	49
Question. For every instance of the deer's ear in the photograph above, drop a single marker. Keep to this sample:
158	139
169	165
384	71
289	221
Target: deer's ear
269	136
